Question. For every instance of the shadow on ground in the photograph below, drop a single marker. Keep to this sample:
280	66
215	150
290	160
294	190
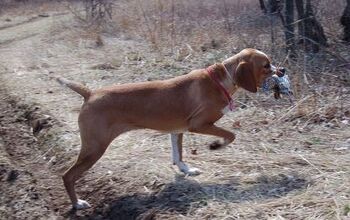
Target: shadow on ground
184	194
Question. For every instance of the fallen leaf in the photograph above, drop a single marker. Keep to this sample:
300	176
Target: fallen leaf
194	151
236	124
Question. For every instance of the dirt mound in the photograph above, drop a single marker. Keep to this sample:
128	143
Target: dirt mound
29	184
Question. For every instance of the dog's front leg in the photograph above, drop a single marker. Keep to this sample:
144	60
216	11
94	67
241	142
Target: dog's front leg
216	131
176	144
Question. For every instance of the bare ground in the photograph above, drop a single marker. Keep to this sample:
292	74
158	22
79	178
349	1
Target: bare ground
283	165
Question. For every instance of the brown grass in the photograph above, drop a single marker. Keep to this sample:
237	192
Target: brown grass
288	161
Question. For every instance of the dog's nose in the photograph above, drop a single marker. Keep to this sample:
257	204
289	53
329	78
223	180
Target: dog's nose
280	71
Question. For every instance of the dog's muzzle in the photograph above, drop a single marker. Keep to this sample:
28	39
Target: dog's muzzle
279	83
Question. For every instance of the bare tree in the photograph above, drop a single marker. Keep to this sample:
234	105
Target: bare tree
299	5
289	27
345	21
310	31
98	11
270	6
274	6
262	6
314	34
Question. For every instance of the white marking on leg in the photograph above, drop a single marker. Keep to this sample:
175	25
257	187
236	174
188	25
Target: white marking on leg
176	157
81	204
188	170
175	148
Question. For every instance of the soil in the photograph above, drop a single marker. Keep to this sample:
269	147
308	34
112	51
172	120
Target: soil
281	165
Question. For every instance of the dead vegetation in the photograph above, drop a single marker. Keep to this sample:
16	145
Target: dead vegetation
288	162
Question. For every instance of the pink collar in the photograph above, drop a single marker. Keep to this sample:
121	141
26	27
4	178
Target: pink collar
221	87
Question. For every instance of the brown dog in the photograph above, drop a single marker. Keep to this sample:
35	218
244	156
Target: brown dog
192	102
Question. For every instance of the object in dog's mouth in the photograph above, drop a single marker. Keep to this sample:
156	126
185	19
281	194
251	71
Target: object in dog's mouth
279	85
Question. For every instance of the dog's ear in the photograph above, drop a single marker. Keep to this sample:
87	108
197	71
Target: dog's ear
244	77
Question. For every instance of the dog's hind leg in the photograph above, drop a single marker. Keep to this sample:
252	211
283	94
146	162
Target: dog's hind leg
86	160
94	144
176	144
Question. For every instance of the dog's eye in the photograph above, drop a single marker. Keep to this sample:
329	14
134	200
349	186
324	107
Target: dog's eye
267	66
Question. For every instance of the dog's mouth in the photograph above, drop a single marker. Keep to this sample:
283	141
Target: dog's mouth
279	83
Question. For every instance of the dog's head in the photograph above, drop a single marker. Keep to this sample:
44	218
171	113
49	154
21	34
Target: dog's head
253	67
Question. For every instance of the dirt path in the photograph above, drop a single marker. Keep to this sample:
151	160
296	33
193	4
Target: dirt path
28	28
278	166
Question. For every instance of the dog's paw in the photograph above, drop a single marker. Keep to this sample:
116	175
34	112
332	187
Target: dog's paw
193	171
187	170
215	145
81	204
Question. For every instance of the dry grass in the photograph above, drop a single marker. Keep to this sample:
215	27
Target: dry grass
288	161
178	23
184	30
280	166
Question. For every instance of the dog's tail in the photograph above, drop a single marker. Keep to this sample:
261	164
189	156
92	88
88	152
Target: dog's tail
81	89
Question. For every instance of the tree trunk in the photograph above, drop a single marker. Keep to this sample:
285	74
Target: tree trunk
262	6
271	6
299	4
345	21
274	6
314	34
289	28
98	11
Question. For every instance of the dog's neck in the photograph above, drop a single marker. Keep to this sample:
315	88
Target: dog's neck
225	77
229	83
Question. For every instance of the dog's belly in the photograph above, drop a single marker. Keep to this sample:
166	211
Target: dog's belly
171	124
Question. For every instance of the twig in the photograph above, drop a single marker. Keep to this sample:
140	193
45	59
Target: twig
337	208
292	108
43	155
284	61
322	47
307	161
